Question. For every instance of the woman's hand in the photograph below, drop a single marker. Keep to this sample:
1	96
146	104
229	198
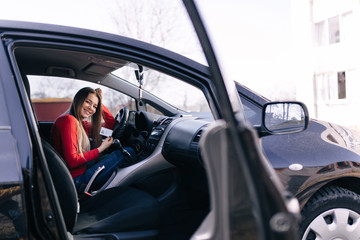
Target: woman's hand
99	92
105	144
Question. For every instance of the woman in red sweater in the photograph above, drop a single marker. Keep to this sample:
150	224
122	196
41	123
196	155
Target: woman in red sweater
70	137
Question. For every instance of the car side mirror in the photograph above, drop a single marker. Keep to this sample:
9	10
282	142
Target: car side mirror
283	118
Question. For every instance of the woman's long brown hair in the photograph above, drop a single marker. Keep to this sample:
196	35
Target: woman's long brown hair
75	110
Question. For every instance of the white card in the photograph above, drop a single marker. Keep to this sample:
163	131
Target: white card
106	132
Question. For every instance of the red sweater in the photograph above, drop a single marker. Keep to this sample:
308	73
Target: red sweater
64	140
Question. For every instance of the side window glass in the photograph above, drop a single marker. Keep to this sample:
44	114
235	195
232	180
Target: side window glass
152	109
52	96
252	111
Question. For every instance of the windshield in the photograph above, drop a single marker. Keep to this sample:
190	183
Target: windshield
174	92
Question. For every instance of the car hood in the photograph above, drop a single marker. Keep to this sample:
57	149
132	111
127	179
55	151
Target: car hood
322	143
342	136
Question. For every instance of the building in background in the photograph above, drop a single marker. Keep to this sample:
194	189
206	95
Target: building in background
327	58
48	109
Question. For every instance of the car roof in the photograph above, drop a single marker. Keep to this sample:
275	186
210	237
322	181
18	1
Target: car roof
67	63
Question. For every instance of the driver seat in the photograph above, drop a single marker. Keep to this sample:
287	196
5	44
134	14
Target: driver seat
116	213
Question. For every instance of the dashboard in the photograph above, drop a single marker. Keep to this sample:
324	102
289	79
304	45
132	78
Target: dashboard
161	143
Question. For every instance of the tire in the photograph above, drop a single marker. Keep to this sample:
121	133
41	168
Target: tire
332	213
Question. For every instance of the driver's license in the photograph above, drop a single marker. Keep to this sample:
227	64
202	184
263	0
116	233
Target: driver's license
106	132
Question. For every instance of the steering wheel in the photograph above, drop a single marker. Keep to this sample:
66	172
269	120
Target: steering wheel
122	119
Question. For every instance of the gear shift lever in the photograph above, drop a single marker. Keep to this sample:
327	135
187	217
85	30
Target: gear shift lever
127	156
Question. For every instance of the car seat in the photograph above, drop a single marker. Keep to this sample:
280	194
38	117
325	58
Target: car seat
116	213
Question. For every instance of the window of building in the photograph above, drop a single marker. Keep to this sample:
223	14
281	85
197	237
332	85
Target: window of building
333	30
347	27
320	33
341	85
330	86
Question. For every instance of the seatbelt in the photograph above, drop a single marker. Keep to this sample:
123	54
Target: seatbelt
88	186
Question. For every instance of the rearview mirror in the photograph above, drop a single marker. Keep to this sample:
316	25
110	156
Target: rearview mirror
284	117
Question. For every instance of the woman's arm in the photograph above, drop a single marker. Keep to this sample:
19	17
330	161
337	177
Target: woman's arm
67	129
108	117
106	114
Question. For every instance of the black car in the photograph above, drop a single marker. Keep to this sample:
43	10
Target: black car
320	166
199	173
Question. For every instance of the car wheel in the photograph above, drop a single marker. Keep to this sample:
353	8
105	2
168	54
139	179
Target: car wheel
332	213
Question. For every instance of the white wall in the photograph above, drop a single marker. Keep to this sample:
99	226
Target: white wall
310	59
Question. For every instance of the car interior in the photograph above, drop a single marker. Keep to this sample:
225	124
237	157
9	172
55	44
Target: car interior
165	192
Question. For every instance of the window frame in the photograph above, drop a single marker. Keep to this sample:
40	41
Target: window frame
323	30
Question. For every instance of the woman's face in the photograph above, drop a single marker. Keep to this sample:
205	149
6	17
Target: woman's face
89	106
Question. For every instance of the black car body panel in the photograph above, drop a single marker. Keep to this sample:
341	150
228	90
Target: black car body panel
326	153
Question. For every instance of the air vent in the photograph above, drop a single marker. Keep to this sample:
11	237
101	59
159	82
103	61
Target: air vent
197	137
166	121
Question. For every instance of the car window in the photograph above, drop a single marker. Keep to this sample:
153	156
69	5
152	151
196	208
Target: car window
52	96
177	93
252	111
153	109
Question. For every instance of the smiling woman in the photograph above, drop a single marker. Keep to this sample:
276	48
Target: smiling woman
89	106
70	137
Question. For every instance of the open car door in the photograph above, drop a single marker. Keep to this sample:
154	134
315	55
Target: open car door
247	199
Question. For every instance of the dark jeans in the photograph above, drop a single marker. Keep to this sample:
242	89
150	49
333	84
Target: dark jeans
111	161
